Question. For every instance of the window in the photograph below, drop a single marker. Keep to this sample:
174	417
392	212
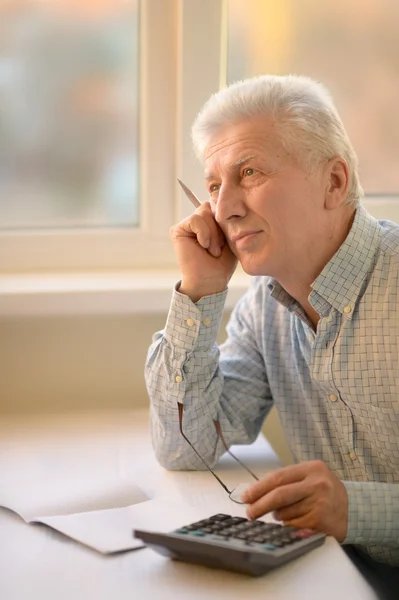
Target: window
88	94
97	99
69	119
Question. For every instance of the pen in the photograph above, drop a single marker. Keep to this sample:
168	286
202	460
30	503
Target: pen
190	195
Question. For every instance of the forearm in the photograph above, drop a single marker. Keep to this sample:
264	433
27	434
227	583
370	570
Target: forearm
373	514
228	384
182	366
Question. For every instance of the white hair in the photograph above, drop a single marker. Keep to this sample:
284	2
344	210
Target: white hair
302	112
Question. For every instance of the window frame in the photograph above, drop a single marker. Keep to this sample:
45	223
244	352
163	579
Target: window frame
161	24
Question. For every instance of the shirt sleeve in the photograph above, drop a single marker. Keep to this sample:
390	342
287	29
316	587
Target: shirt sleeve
228	383
373	514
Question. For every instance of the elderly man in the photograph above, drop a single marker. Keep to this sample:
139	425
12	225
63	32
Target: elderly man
317	334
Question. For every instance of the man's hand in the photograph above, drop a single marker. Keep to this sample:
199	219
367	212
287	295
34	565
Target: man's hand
306	495
205	259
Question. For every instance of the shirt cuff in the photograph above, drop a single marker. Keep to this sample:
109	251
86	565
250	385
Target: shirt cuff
373	513
192	325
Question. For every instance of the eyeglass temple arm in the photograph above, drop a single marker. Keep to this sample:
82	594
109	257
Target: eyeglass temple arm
180	406
219	430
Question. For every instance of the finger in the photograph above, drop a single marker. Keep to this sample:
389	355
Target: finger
218	239
295	511
305	521
283	496
194	226
275	479
201	229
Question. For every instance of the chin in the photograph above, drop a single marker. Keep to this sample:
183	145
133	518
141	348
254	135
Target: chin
254	268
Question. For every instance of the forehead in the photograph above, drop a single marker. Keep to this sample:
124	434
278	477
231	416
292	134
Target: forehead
233	144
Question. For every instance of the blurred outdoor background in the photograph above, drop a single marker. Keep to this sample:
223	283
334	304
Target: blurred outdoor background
352	46
69	95
69	85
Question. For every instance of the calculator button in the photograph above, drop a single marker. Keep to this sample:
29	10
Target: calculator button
259	539
197	533
241	527
257	531
183	530
219	517
200	524
247	526
241	536
232	530
285	540
289	528
217	526
228	522
270	527
237	520
269	547
303	534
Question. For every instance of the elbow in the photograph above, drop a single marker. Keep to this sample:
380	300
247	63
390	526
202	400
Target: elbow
170	463
179	461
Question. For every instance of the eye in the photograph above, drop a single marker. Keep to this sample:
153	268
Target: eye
248	172
214	187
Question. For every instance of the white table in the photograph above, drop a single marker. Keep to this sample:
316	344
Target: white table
36	562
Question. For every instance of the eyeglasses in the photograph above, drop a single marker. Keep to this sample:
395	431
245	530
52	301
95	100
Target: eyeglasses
235	493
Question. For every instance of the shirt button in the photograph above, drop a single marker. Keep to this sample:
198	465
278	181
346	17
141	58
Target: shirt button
206	321
178	379
352	455
190	322
310	338
347	309
333	397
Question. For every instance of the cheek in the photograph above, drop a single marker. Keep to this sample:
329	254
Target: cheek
271	203
275	216
288	210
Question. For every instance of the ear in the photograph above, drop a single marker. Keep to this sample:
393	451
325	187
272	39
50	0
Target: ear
337	182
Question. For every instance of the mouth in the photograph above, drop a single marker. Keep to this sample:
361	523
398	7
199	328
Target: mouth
244	237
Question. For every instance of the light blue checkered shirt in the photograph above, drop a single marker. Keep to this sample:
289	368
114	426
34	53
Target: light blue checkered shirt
336	390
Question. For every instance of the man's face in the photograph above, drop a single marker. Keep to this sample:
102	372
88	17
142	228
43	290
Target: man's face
269	208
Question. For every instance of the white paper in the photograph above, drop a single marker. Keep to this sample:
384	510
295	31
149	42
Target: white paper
91	511
111	530
98	514
33	500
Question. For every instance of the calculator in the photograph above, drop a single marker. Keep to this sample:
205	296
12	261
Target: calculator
245	546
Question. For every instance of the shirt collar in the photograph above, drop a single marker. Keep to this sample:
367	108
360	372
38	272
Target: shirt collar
341	280
339	284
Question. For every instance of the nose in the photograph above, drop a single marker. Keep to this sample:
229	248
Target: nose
229	204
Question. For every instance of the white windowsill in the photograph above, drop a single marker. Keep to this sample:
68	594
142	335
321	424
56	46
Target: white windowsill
120	292
117	292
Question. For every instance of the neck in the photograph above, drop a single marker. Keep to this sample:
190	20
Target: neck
297	281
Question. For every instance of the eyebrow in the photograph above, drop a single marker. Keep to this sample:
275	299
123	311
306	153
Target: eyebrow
233	166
